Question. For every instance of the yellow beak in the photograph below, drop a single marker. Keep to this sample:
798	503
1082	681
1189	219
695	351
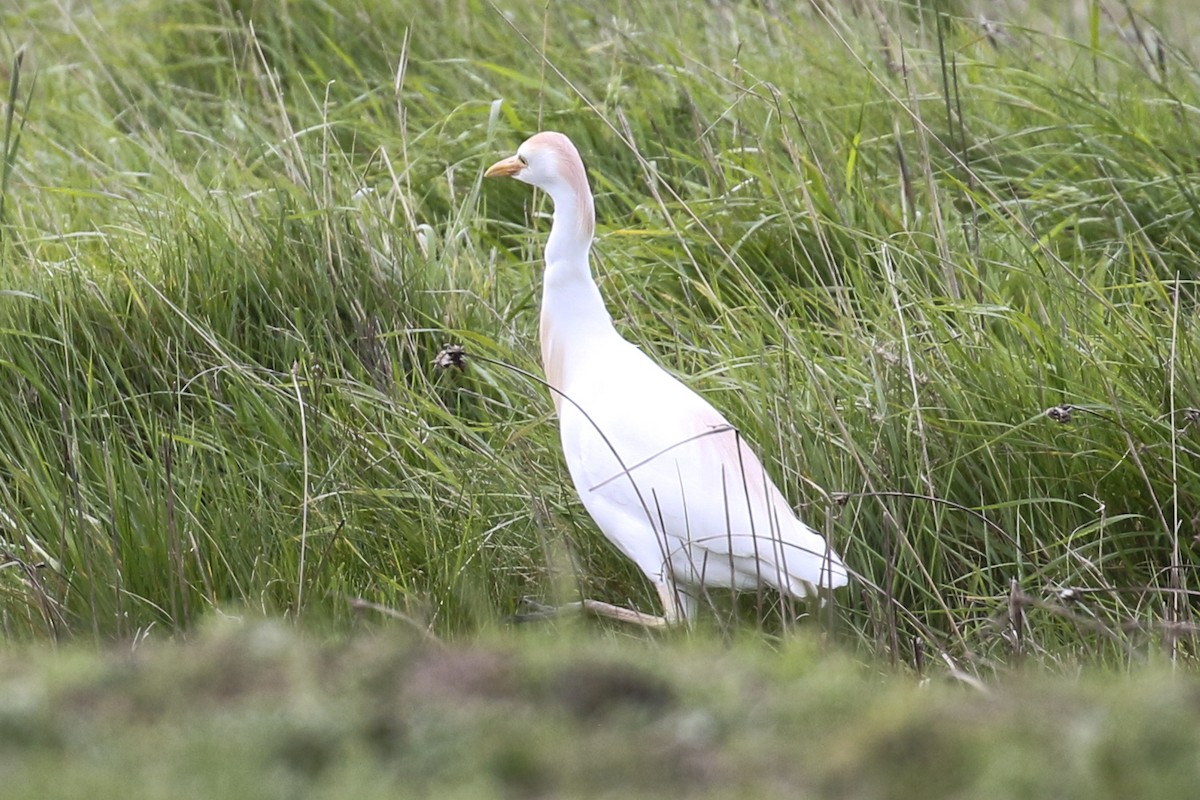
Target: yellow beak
505	168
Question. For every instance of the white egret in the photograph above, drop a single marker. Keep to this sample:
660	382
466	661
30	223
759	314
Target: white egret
665	476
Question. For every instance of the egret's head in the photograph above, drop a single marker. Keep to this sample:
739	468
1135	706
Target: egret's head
547	160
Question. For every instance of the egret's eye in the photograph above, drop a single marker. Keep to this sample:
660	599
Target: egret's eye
521	158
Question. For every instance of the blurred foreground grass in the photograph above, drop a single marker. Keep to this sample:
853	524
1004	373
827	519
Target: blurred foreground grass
259	711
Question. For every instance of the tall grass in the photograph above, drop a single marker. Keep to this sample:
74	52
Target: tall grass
886	240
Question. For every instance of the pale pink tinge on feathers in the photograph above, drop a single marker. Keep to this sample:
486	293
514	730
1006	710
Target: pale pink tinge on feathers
571	167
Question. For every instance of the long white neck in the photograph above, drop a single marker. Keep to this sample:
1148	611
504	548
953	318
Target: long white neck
573	312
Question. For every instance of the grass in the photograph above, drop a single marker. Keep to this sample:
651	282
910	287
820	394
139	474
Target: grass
235	235
254	710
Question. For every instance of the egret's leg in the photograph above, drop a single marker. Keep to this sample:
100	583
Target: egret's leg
596	608
602	609
676	605
671	611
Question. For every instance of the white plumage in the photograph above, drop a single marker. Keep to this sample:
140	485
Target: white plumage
666	477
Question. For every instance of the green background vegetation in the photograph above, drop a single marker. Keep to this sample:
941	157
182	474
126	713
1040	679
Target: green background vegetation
886	238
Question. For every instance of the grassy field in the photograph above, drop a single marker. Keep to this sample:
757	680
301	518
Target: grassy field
254	711
940	269
887	243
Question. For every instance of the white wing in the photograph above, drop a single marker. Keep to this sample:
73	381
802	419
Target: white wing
683	495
